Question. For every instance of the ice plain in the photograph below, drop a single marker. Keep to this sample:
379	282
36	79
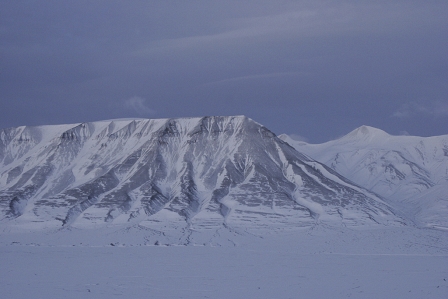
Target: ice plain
313	262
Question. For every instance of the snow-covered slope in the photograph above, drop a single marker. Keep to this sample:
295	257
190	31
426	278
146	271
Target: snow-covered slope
190	173
409	172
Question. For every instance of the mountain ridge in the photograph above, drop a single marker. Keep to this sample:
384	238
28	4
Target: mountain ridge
205	172
402	169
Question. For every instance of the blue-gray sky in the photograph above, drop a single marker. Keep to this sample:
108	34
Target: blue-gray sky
315	69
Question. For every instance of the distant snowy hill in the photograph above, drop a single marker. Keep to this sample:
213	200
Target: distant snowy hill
190	173
409	172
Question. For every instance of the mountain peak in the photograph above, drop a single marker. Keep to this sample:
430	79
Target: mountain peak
204	171
366	133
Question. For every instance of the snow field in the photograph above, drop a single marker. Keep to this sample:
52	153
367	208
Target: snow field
307	263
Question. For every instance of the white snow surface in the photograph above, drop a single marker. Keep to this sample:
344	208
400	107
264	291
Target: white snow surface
217	207
409	172
192	173
318	262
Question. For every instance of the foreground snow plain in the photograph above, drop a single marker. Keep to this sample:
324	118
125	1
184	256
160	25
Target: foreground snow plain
313	262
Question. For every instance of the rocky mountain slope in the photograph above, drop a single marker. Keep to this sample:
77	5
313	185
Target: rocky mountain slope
190	173
409	172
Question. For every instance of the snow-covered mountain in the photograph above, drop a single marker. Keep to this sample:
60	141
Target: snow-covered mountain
410	172
189	173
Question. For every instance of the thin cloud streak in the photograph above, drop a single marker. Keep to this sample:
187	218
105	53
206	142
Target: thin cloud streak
313	20
138	105
256	77
414	109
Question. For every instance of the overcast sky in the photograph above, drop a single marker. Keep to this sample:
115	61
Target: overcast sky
315	69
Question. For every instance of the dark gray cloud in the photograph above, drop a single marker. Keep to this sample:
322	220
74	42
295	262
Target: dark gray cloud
316	69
